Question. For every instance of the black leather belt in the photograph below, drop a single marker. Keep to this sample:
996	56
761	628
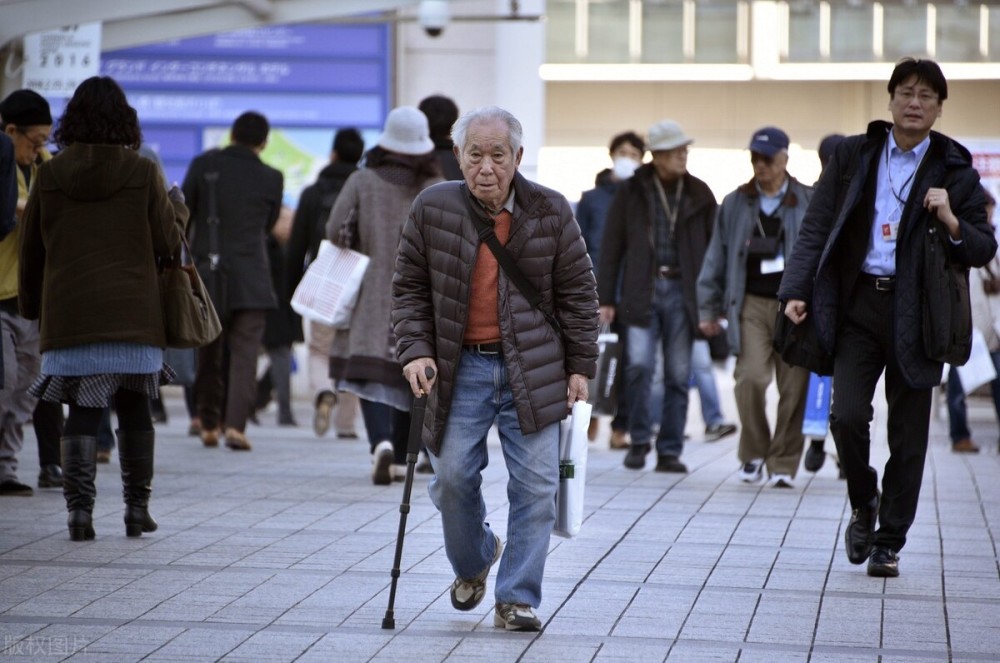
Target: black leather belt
665	272
485	348
881	283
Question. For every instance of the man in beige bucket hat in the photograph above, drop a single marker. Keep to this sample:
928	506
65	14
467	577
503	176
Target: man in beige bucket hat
655	237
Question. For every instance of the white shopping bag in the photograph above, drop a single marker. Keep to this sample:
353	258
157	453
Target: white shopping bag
572	471
979	370
329	289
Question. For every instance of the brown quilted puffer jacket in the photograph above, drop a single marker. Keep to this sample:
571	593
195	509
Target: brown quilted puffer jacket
431	287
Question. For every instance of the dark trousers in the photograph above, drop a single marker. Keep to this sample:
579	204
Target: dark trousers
384	422
241	337
47	420
865	348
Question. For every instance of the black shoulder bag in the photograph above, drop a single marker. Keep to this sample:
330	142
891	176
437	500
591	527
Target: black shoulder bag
216	284
947	309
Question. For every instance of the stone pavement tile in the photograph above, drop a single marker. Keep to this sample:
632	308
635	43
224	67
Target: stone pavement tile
347	647
782	618
766	654
845	657
200	644
555	648
62	640
796	578
760	531
720	615
268	644
973	626
913	624
850	621
33	582
133	641
631	650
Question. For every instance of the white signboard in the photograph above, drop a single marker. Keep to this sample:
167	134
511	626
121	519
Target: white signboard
56	61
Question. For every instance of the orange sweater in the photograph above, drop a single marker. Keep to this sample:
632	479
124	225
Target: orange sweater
483	325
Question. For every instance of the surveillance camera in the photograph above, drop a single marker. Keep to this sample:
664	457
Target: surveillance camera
433	16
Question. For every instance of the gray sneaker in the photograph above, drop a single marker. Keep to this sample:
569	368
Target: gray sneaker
467	594
516	617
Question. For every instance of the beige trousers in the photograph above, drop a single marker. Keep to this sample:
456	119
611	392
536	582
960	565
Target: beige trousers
320	340
755	366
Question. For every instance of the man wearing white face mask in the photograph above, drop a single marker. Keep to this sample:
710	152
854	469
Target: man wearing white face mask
626	152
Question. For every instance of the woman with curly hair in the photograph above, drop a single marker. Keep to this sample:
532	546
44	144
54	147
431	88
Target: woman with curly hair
97	221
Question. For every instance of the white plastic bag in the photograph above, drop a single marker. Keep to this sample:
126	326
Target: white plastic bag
979	370
329	289
572	471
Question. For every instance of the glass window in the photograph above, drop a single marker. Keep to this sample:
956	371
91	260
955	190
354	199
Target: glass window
803	32
957	33
851	33
560	31
994	37
905	33
662	32
608	31
715	32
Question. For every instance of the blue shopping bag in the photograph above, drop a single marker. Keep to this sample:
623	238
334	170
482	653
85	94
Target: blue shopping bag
816	422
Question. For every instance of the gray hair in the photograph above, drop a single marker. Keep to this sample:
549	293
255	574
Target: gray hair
487	114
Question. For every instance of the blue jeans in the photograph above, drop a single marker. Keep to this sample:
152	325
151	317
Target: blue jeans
669	328
703	374
482	397
958	421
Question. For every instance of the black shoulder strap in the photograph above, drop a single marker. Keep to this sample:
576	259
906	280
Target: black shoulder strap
489	237
212	178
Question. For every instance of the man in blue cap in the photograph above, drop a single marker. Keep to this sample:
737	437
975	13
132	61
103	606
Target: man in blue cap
755	230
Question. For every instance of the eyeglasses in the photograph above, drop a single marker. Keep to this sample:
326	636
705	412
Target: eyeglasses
908	94
38	141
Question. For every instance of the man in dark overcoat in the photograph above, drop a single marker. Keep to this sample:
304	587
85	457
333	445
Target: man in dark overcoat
858	270
236	188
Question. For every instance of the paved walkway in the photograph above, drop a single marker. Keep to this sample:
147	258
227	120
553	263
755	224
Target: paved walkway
283	554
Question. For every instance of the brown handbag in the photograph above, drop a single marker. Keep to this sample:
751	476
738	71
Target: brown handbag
189	318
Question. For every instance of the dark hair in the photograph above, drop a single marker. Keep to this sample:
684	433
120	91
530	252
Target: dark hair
99	114
630	137
349	145
250	129
926	71
441	114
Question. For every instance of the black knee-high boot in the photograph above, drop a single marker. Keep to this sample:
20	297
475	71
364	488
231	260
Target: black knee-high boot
135	454
79	462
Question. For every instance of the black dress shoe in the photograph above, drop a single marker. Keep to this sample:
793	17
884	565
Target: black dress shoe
635	459
883	563
815	456
50	476
16	488
670	464
858	535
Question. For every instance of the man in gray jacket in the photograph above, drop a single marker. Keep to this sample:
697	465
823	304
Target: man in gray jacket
755	230
494	356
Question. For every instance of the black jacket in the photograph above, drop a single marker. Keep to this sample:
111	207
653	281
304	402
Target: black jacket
628	247
833	241
248	195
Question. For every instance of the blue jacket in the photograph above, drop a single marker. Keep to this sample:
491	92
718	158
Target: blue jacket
828	256
592	210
